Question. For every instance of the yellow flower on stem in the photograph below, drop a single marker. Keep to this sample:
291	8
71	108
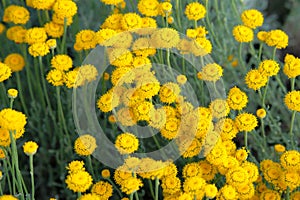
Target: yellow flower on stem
30	148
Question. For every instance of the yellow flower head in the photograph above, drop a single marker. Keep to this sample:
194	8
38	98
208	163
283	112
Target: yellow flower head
195	11
16	34
18	15
2	28
5	72
71	79
227	129
30	148
228	192
111	2
85	145
131	185
211	191
169	92
194	184
290	160
242	33
277	39
269	67
237	99
270	194
61	62
42	4
15	61
51	43
54	30
292	100
58	19
201	46
126	143
65	9
255	80
89	196
75	166
102	189
261	113
171	184
166	7
211	72
262	35
246	122
291	66
8	197
12	93
219	108
165	38
38	49
131	21
143	47
252	18
12	120
86	39
191	170
55	77
279	148
79	181
149	8
35	35
105	173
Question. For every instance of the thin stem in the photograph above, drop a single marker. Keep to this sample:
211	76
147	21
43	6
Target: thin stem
19	86
151	188
8	177
260	51
177	9
246	140
195	23
61	112
280	83
265	93
32	176
3	4
115	187
241	60
4	94
274	53
63	43
293	84
78	194
131	196
91	166
291	129
156	188
28	72
136	195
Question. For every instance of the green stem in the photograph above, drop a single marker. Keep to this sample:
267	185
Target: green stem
241	60
235	8
19	86
246	140
195	24
177	9
293	84
28	72
131	196
264	136
265	94
89	159
156	188
40	18
3	4
61	113
39	86
1	192
47	15
260	51
151	188
288	193
274	53
136	195
6	170
63	43
115	187
291	129
32	176
280	83
4	93
78	194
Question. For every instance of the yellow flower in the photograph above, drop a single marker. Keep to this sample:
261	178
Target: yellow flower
75	166
171	184
54	30
42	4
103	36
131	185
211	191
246	122
269	67
242	33
102	189
2	154
279	148
112	2
35	35
143	47
55	77
61	62
195	11
79	181
8	197
19	15
194	184
261	113
38	49
120	57
126	143
4	138
292	100
166	6
262	35
252	170
227	129
2	28
241	154
105	173
208	170
237	177
252	18
86	39
228	192
15	61
211	72
12	120
295	195
12	93
108	101
131	21
58	19
219	108
245	191
237	99
148	8
217	155
113	21
169	92
277	39
65	8
89	196
255	80
165	38
191	170
71	79
170	128
5	72
201	46
291	66
85	145
16	34
51	43
270	194
290	160
30	148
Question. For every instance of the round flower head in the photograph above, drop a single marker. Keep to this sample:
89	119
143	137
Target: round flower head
169	92
269	67
8	197
113	21
105	173
270	194
85	145
89	196
71	79
126	143
211	191
5	72
131	185
252	18
148	8
51	43
219	108
54	30
2	28
290	160
108	101
30	148
35	35
246	122
201	46
12	93
112	2
277	39
165	38
55	77
86	39
65	8
255	80
104	36
195	11
261	113
279	148
61	62
166	7
194	184
292	100
131	21
38	49
102	189
61	20
228	192
19	15
15	61
42	4
262	35
75	166
243	33
16	34
80	181
237	99
211	72
291	66
171	185
12	120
